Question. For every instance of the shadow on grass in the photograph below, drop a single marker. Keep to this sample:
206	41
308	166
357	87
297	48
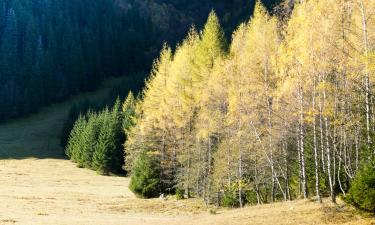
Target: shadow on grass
12	154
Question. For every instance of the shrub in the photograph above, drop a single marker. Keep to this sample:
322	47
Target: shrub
362	191
251	197
180	193
231	194
230	200
145	178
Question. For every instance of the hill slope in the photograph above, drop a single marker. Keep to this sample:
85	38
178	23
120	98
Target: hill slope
39	134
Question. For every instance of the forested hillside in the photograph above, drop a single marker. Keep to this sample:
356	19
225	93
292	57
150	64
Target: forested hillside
52	49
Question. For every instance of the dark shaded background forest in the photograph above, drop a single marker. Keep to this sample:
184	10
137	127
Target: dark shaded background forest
53	49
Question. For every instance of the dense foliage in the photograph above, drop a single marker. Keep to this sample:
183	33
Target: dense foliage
96	139
145	179
284	112
362	190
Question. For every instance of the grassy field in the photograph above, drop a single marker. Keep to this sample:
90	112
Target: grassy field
39	186
54	191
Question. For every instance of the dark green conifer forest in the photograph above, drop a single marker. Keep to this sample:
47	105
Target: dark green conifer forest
53	49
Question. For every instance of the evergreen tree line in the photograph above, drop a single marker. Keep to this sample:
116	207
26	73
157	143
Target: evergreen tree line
285	111
96	140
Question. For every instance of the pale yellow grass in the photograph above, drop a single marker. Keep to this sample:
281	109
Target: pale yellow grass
54	191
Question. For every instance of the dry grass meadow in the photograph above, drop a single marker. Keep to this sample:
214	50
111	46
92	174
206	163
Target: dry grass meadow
54	191
39	186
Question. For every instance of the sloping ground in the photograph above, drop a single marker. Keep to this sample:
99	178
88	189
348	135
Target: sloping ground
38	135
54	191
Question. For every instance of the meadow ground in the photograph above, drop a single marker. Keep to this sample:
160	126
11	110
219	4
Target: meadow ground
55	191
39	186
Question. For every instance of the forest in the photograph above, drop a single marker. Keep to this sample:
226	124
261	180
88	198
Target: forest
51	50
282	110
186	112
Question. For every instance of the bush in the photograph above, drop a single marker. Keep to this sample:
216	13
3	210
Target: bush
145	178
251	197
230	200
230	197
180	194
362	191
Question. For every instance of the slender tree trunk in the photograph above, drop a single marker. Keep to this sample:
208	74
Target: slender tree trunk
316	149
240	180
339	170
321	134
257	182
287	188
199	175
299	162
356	151
209	172
188	179
366	73
328	154
270	127
240	172
302	149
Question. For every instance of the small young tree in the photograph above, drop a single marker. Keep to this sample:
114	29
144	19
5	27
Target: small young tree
362	191
145	179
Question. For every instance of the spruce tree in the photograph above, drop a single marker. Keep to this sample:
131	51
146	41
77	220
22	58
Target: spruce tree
108	154
362	190
145	178
73	150
101	157
89	139
128	110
